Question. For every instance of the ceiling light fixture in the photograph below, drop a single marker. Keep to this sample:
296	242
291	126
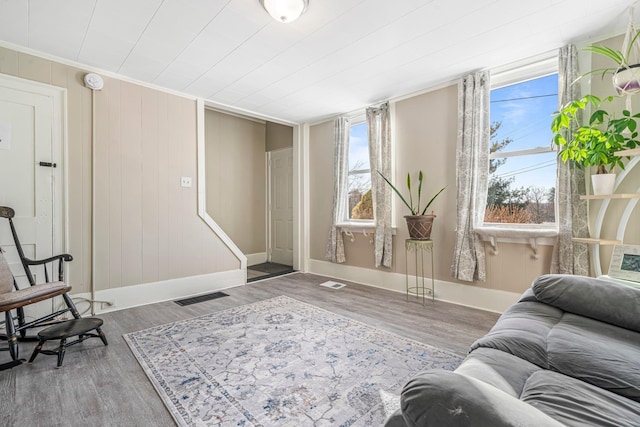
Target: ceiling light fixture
285	10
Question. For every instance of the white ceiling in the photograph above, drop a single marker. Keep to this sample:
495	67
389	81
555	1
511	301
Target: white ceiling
341	55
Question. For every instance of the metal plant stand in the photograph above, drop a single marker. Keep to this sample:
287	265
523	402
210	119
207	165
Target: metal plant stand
419	247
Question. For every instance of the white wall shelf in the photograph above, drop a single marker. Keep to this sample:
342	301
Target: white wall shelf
631	201
594	241
611	196
625	153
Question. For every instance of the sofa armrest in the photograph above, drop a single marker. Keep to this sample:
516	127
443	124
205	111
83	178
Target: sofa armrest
443	398
528	296
598	299
395	420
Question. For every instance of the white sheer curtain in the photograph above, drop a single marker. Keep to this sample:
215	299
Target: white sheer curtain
472	167
379	130
569	257
335	245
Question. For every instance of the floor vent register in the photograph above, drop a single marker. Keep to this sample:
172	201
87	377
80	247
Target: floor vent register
201	298
333	285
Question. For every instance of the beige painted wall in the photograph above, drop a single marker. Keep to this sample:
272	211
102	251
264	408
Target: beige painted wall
147	227
278	136
321	188
425	139
236	187
603	88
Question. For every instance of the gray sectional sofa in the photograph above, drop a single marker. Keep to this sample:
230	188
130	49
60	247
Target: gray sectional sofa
567	354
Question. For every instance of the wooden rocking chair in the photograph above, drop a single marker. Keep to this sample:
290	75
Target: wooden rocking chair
11	297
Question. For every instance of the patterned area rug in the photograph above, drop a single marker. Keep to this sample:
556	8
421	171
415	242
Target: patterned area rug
280	362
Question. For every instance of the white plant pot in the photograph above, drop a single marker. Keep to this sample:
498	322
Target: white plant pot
627	80
603	183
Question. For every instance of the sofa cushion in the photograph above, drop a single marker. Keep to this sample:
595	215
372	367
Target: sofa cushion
598	353
502	370
599	299
522	331
575	403
442	398
565	354
395	420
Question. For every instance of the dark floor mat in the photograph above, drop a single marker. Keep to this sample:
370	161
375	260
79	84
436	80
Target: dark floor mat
201	298
270	275
271	267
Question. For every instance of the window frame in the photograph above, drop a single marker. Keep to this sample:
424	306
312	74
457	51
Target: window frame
533	234
347	223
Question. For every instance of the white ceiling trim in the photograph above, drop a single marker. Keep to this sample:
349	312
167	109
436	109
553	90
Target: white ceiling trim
91	69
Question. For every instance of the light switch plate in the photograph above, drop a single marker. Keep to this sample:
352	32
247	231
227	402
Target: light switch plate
185	181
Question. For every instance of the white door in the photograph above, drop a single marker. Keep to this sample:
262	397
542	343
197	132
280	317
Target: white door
281	206
27	135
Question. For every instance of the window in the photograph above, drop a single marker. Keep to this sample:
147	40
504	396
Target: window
522	170
359	201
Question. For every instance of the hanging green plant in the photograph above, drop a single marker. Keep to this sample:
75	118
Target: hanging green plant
625	74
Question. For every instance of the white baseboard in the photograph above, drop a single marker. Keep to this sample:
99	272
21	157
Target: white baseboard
149	293
471	296
253	259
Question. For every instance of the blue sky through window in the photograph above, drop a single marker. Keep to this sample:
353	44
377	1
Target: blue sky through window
525	111
358	147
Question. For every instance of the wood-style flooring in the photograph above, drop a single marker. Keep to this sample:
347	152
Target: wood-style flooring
105	386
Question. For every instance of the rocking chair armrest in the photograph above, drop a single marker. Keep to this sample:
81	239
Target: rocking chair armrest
61	257
61	260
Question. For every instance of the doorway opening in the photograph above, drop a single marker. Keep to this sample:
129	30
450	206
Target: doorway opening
267	270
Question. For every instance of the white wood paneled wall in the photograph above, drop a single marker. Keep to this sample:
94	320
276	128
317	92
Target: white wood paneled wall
146	225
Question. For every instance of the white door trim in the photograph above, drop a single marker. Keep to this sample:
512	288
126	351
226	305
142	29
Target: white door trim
301	210
269	250
58	96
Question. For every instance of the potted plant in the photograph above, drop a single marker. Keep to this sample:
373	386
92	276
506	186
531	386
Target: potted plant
595	141
419	223
626	72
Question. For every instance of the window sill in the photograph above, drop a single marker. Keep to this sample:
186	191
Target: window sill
368	229
515	233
